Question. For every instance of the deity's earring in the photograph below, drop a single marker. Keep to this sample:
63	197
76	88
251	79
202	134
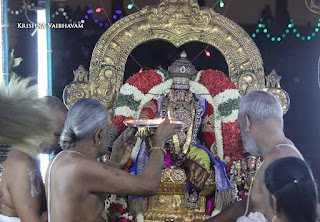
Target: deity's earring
247	131
99	143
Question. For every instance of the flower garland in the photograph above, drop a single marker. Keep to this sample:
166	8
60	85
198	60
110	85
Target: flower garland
215	81
154	93
135	150
227	100
227	103
204	92
131	94
145	80
116	208
128	89
212	85
224	98
233	143
197	78
125	111
140	217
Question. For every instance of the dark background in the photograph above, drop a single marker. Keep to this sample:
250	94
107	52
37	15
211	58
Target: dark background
292	58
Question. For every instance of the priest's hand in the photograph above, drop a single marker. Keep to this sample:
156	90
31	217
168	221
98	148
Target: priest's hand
122	148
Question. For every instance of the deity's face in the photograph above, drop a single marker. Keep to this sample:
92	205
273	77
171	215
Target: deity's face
251	163
180	95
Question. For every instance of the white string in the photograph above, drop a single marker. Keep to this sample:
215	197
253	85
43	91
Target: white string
249	194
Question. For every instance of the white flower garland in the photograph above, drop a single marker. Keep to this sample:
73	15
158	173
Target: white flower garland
223	97
128	89
117	200
135	150
219	99
107	204
155	92
125	111
109	201
161	74
198	76
140	217
127	216
198	88
218	133
201	89
226	95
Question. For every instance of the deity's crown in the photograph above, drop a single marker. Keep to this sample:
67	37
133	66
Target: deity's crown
250	156
181	71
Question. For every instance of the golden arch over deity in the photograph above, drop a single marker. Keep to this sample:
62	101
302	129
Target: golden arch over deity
206	101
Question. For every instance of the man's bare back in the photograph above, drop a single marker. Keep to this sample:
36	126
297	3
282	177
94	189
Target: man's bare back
259	198
260	121
259	193
66	186
21	191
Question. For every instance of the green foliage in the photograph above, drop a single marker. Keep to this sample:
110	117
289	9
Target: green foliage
226	108
13	62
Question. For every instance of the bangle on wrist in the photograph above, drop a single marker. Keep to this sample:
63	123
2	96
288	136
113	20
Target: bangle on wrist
158	148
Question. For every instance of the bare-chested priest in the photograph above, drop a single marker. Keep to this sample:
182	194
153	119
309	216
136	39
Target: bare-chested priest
261	125
26	121
76	182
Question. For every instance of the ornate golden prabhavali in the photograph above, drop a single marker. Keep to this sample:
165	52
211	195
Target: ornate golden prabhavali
177	22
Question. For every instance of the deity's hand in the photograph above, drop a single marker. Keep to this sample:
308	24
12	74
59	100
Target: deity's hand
164	132
122	148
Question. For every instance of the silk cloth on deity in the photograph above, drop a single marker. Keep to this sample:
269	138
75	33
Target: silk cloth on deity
9	219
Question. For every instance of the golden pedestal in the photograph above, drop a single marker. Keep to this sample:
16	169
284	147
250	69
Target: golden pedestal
169	203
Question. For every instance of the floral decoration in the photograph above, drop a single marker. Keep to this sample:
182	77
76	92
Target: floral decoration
214	86
215	81
145	80
117	209
232	141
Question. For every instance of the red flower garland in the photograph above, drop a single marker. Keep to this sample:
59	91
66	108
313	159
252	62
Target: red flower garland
145	80
115	210
118	122
232	142
215	81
